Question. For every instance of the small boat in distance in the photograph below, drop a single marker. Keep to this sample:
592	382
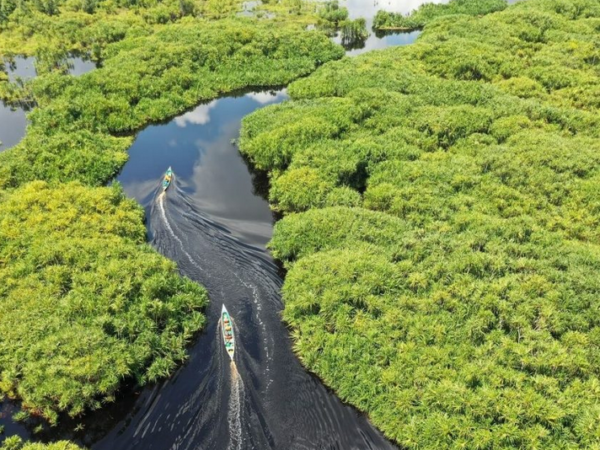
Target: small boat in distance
227	330
167	179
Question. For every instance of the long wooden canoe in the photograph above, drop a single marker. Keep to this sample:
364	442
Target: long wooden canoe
167	179
227	331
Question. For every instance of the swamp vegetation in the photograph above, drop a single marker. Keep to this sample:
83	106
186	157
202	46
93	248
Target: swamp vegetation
84	302
427	12
15	443
441	228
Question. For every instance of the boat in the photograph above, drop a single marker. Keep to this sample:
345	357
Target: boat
167	179
227	330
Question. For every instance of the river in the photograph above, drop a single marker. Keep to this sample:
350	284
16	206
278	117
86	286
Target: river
215	221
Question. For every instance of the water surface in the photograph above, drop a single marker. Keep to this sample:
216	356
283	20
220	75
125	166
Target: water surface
368	8
13	120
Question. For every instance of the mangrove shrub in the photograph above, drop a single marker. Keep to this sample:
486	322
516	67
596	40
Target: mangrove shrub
454	296
85	302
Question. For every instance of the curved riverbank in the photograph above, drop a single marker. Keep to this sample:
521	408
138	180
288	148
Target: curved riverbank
440	232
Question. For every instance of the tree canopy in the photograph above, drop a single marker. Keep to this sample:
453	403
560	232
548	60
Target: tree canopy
441	228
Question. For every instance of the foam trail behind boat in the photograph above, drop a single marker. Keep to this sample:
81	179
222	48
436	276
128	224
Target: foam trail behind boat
163	215
235	408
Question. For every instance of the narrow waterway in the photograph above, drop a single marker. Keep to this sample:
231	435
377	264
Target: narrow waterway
215	221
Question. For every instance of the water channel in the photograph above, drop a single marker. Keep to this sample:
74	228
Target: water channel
214	222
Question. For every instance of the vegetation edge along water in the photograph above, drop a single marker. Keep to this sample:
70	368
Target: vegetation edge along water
441	228
385	20
84	301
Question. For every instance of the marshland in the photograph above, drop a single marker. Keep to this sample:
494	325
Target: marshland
405	237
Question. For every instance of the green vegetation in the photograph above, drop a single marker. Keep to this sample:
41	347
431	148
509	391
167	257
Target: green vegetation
84	303
429	11
16	443
353	33
441	228
332	12
73	133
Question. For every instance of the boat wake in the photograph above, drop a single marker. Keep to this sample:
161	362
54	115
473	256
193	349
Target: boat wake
263	400
163	215
236	398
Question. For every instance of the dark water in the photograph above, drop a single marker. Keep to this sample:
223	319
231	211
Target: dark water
13	120
198	145
12	126
214	221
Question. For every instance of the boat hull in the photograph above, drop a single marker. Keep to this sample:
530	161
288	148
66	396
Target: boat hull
227	332
166	182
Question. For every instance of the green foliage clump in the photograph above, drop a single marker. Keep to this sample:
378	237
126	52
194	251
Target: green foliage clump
16	443
84	302
332	12
353	33
428	12
453	296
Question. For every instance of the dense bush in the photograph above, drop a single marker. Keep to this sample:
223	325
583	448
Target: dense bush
85	303
430	11
454	298
331	11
